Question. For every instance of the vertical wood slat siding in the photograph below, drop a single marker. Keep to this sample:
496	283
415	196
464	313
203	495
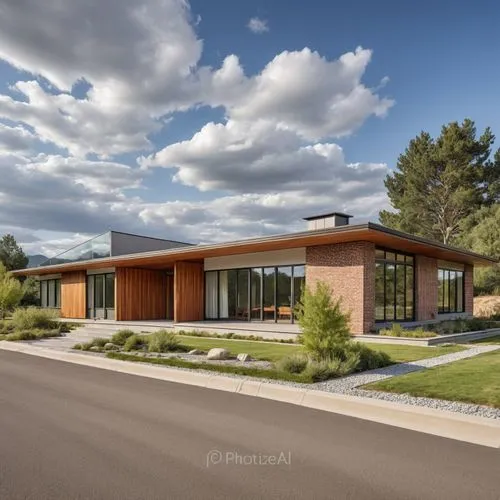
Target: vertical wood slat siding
73	295
140	294
170	296
188	291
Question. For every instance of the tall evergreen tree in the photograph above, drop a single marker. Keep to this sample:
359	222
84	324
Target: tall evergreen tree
11	254
439	182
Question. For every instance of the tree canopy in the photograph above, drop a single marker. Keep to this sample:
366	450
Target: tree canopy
11	254
441	182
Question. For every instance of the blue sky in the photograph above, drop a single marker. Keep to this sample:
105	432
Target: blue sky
151	117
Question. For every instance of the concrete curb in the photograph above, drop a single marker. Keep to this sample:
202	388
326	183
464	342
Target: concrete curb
466	428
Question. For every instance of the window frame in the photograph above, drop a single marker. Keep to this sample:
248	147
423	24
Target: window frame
249	272
56	295
447	278
396	263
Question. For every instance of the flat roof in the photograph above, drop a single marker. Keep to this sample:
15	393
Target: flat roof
379	235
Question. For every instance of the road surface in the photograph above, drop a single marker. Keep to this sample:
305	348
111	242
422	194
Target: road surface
73	432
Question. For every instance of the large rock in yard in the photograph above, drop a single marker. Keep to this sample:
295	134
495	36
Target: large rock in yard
110	347
244	357
95	348
218	353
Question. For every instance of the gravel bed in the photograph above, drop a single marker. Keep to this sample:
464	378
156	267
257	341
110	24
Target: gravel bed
202	358
438	404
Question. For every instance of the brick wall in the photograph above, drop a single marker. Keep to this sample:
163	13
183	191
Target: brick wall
469	289
349	270
426	288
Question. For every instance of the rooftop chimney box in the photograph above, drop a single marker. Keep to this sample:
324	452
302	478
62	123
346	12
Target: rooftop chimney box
324	221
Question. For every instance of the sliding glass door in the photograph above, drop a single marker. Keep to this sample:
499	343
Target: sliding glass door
101	296
256	294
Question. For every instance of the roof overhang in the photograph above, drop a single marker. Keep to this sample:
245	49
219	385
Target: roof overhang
375	233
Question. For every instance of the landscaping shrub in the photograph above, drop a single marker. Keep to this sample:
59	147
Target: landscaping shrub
295	363
235	336
31	317
325	369
397	330
11	291
99	341
165	341
368	359
34	334
121	336
322	322
135	342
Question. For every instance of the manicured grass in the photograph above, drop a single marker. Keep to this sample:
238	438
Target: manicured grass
272	352
405	353
239	370
490	340
474	380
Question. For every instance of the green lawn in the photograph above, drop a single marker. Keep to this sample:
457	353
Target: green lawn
491	340
272	352
475	380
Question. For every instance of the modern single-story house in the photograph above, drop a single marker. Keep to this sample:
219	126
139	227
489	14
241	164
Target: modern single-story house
382	275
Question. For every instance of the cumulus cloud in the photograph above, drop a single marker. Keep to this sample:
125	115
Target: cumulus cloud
274	155
257	25
17	139
255	157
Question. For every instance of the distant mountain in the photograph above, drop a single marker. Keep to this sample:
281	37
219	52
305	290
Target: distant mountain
36	260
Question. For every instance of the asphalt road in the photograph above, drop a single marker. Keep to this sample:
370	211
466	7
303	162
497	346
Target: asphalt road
72	432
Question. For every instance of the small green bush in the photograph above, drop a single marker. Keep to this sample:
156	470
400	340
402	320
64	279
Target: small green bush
31	317
99	341
335	367
397	330
85	346
324	326
121	336
369	359
34	334
135	342
165	341
295	363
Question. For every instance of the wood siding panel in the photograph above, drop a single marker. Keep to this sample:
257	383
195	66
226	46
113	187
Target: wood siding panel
188	291
73	295
140	294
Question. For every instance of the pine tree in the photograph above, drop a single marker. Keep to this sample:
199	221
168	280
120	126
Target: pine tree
439	182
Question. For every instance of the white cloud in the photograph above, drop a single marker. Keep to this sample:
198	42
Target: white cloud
257	25
256	158
17	139
274	155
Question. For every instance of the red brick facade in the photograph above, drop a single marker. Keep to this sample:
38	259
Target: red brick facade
469	289
349	269
426	288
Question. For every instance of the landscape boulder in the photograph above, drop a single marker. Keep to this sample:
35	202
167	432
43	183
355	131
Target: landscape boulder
110	346
218	353
244	357
95	348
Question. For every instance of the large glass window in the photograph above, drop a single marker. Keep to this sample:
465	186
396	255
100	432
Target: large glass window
284	294
256	293
394	286
50	293
265	294
450	291
211	293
